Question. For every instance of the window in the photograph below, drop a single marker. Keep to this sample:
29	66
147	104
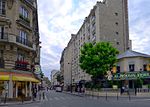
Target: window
1	53
1	32
1	59
116	23
20	57
145	67
131	67
118	69
116	14
117	43
2	7
23	12
117	33
23	37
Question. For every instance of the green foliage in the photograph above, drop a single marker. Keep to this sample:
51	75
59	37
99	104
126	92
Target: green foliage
138	83
59	78
97	59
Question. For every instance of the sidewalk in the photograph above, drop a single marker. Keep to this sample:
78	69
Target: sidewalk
16	103
37	99
109	94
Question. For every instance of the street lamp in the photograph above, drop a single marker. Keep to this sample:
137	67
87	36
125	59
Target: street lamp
71	77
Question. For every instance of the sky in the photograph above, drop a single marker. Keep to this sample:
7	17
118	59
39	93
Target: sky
58	19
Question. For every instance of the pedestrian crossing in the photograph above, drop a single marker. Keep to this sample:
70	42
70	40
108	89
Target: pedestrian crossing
59	98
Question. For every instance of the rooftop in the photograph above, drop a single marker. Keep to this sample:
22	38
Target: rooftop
131	53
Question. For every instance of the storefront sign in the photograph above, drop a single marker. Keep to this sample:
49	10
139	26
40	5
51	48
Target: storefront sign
37	69
131	75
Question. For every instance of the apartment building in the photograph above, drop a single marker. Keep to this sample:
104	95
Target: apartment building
107	21
53	77
19	47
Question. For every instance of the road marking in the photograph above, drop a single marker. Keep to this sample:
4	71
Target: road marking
56	98
141	100
62	98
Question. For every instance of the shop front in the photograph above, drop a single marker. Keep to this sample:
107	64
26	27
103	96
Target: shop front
16	85
130	79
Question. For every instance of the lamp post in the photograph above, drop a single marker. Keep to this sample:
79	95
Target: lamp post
71	77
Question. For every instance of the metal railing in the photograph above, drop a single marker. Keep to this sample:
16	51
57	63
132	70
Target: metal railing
23	41
24	20
29	1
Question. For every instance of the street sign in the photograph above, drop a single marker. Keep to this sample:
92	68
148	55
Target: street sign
131	75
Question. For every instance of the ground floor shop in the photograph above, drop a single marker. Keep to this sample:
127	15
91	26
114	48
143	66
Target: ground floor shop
14	85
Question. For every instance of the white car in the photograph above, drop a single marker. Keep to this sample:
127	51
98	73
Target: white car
58	89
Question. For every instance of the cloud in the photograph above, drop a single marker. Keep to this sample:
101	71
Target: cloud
139	17
58	19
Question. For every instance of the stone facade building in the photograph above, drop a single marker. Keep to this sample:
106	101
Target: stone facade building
107	21
19	47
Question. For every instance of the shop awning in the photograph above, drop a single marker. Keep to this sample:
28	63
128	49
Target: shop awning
21	78
4	77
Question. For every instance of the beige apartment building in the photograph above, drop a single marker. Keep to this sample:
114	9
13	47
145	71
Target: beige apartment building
53	76
107	21
19	48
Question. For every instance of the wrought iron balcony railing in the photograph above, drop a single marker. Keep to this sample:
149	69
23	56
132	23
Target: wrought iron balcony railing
23	41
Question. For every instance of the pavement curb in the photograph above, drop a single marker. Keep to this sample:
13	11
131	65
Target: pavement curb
18	103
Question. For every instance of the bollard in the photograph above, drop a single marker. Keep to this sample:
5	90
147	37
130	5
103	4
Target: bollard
22	98
106	95
5	98
117	95
129	96
40	96
43	95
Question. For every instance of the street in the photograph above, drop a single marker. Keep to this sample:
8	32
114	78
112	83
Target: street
57	99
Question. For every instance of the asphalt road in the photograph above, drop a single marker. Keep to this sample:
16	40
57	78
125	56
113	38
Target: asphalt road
57	99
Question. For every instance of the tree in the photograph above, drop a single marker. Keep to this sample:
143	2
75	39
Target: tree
97	59
59	78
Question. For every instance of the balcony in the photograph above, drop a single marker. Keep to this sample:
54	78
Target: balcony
29	3
1	63
23	41
25	22
11	38
22	65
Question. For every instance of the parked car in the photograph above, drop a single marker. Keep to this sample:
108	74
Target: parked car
58	89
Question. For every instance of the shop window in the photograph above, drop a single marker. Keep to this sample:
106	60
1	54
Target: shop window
118	69
145	67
